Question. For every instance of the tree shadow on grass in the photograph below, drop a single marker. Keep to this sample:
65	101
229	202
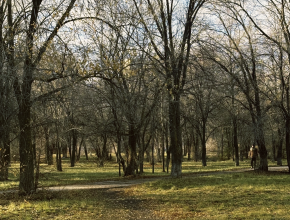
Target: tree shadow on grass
95	203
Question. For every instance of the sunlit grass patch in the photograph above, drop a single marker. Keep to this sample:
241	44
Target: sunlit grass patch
230	196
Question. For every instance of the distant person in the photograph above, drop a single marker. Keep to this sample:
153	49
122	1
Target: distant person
253	155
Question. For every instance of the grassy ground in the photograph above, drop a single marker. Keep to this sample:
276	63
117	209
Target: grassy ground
250	195
88	171
79	204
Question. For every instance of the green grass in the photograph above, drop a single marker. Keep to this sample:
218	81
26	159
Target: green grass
88	171
84	204
250	195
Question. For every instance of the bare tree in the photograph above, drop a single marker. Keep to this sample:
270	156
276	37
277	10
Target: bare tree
241	49
23	86
170	37
277	32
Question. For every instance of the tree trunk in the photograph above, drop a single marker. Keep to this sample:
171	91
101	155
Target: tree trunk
288	141
64	149
236	146
74	148
120	159
167	148
48	147
274	147
69	145
58	157
279	148
196	146
175	136
148	155
80	149
3	165
26	151
261	144
162	153
86	151
152	151
141	159
222	146
4	155
203	144
189	149
104	150
131	167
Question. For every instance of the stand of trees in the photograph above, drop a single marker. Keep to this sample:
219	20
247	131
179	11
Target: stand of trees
142	79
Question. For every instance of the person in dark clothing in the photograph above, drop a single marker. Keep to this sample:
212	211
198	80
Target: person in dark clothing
253	155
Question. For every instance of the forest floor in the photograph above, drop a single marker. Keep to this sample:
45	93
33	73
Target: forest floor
116	196
124	205
134	181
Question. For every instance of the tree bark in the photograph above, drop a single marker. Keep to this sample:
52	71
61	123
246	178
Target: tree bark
175	136
279	148
236	146
74	148
26	151
58	157
287	124
196	145
131	167
48	147
261	144
86	151
203	145
163	152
